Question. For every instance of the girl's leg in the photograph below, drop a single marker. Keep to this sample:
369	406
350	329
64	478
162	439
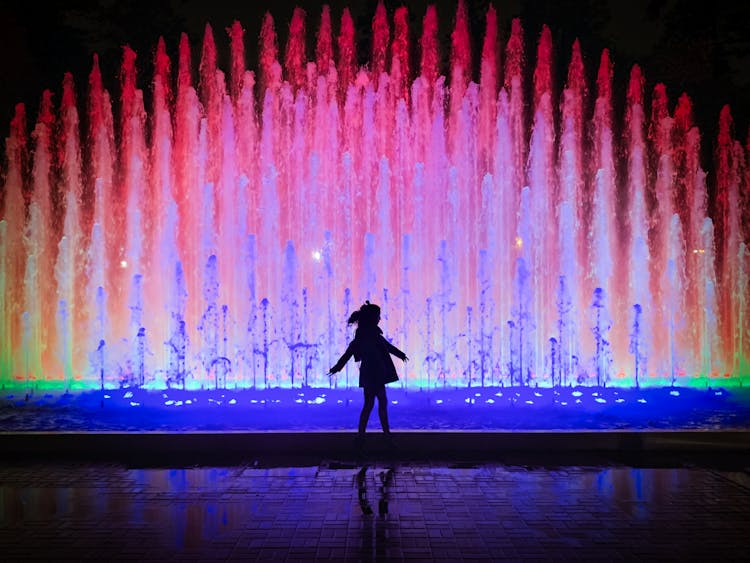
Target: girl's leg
383	410
364	416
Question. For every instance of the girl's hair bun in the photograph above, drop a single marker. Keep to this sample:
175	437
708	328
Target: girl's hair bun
369	313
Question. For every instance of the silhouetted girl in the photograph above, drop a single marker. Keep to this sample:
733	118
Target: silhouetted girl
376	369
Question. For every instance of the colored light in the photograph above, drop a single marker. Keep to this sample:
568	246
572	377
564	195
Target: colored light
502	250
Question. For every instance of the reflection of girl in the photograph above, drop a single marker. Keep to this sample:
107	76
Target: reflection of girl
373	350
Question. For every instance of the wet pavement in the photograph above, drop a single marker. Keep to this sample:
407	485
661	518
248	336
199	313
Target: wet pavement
394	510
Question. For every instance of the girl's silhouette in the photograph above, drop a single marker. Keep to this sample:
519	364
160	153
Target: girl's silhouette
376	369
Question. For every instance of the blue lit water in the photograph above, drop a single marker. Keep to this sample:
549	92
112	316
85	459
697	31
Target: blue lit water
316	409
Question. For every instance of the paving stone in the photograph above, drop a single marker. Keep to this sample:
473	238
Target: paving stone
434	512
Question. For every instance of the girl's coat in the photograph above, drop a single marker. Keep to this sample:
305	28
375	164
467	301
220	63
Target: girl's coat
372	349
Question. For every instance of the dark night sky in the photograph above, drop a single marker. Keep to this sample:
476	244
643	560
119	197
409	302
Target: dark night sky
702	48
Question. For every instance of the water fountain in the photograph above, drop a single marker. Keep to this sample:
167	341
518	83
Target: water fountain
220	237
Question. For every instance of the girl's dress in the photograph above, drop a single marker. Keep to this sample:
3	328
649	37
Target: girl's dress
372	349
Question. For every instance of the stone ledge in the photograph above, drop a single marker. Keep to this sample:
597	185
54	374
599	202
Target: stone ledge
232	447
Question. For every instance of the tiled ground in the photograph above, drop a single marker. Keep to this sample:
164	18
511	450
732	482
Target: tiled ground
382	511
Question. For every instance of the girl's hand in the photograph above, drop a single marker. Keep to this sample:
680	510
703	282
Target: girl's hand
406	358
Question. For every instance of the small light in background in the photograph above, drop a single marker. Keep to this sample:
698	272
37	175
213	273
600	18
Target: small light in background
519	242
123	263
317	255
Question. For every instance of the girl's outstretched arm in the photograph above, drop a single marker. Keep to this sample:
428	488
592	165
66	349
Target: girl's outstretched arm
393	350
338	366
